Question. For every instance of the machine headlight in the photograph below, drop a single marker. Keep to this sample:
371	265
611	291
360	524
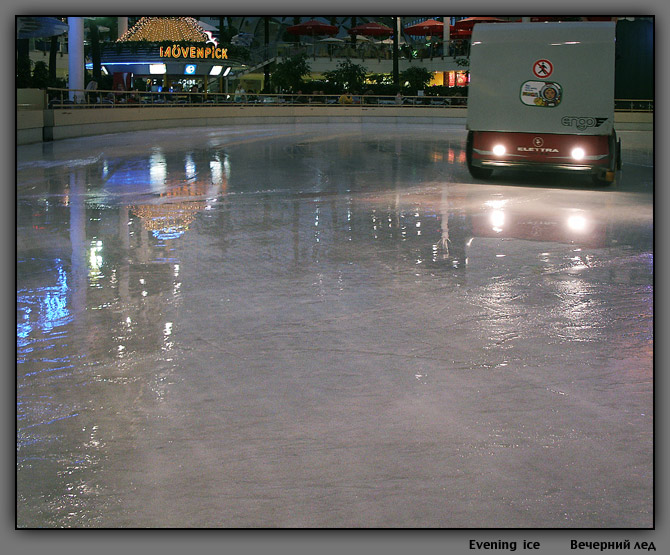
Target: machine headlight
578	153
499	150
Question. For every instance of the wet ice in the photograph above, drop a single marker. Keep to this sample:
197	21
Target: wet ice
309	326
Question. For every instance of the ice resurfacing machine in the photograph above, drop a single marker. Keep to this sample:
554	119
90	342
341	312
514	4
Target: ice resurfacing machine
541	97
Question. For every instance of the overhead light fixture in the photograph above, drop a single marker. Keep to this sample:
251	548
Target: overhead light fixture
225	73
216	70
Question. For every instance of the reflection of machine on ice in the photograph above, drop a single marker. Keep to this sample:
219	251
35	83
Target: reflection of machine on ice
456	232
497	220
563	226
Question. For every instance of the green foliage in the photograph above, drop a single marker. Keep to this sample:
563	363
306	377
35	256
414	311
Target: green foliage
288	74
348	76
227	30
23	78
23	64
40	76
441	90
381	78
310	87
105	82
417	77
381	89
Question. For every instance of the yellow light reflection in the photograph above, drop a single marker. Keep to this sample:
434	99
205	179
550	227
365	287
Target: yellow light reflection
95	260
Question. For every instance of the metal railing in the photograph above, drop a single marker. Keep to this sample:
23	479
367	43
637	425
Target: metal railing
85	99
625	105
60	98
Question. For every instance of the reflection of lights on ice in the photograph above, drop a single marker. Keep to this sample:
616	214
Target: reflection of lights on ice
157	168
95	256
495	204
167	233
189	167
577	223
167	331
226	166
216	170
497	220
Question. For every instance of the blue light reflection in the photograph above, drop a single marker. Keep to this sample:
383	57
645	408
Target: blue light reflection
44	308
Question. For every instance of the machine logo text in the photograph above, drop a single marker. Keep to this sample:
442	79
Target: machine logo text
582	123
534	149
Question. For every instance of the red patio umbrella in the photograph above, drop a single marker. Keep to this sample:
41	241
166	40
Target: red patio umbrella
313	28
371	29
554	19
469	22
430	27
546	19
456	33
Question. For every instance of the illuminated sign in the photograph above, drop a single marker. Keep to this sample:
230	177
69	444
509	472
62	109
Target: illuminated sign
210	38
189	69
203	52
461	78
457	78
157	69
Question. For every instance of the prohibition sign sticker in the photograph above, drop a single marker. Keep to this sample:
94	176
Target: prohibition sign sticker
543	68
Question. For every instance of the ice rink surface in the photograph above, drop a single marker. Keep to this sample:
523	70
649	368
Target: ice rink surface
329	326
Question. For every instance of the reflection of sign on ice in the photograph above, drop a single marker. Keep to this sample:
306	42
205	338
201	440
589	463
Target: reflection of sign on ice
543	68
545	94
